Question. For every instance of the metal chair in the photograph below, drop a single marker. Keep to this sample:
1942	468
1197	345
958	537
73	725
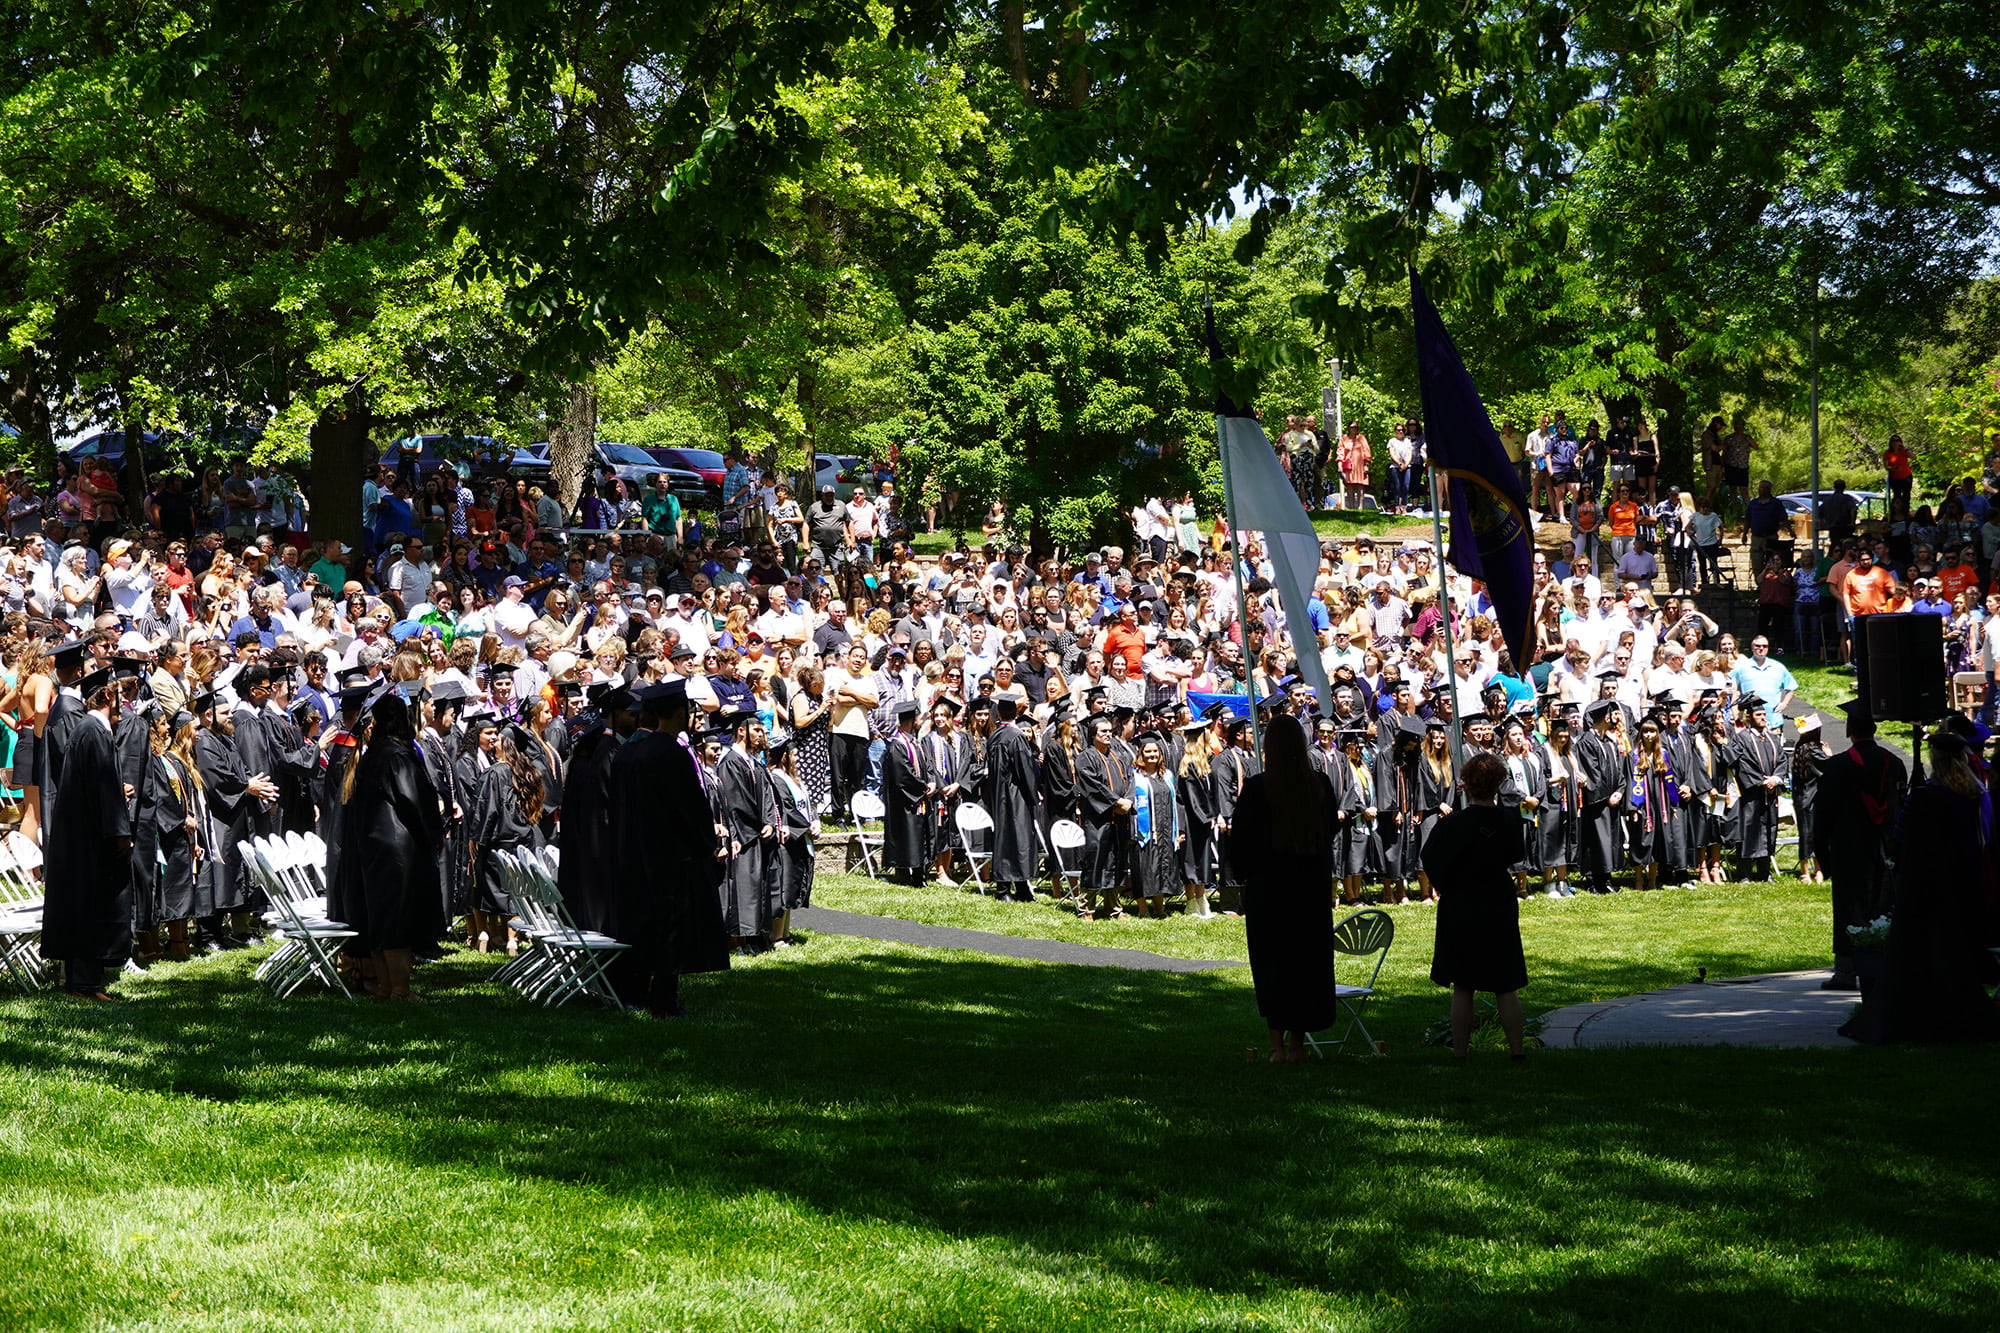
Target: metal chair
20	922
302	955
1066	835
971	818
865	806
1358	935
571	961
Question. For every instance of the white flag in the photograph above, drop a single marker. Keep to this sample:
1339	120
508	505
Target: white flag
1264	502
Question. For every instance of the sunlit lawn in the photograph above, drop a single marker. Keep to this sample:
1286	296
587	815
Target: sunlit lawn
854	1135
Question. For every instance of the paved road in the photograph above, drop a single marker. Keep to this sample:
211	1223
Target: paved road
1775	1009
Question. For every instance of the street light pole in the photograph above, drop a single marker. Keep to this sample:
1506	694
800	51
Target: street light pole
1815	418
1339	422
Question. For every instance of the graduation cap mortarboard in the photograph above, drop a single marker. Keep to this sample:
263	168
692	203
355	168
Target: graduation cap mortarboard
354	696
1611	673
1118	714
1353	735
569	689
1412	727
984	704
613	699
1749	704
1599	708
660	695
1513	722
1493	687
500	669
1436	724
180	719
479	717
95	681
1857	710
449	690
303	709
354	676
202	702
68	655
1092	691
1277	700
1194	728
1216	711
951	706
1666	698
124	668
904	708
1707	695
524	740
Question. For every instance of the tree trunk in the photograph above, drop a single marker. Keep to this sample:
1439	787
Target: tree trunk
28	408
132	479
341	454
571	443
1013	21
1675	433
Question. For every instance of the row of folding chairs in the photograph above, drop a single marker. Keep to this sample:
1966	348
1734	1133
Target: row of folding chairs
1063	843
21	912
562	961
291	870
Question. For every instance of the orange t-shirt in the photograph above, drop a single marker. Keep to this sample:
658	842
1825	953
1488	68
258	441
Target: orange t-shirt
1624	518
1868	593
1956	579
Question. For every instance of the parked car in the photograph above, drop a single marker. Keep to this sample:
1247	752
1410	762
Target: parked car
1873	505
707	462
843	472
636	468
468	455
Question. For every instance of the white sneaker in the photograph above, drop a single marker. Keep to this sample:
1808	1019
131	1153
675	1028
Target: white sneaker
1554	892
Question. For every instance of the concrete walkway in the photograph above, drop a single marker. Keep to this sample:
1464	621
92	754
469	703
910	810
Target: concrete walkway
835	922
1774	1009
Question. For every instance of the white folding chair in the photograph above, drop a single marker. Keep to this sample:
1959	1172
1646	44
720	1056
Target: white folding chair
20	923
866	806
303	952
971	818
568	961
1364	934
1066	835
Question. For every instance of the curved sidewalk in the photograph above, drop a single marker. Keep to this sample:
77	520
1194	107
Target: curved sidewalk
1770	1009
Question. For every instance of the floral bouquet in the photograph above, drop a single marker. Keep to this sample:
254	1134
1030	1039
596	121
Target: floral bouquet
1874	935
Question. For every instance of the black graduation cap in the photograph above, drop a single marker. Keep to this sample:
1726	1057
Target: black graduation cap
1194	728
1436	724
202	702
614	698
68	655
1857	710
1118	714
254	674
1749	704
1707	695
124	668
778	746
500	669
659	696
1666	698
904	708
1353	735
1092	691
568	689
449	690
1611	673
1599	708
1216	711
523	739
985	705
354	676
303	710
1272	701
95	681
354	696
951	706
1060	711
1493	687
479	717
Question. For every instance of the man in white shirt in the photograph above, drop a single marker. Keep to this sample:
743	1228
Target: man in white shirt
779	624
131	585
691	621
512	615
1341	652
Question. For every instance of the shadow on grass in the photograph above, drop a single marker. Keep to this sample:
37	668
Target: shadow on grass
1106	1122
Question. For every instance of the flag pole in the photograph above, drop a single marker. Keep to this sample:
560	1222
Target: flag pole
1242	598
1444	604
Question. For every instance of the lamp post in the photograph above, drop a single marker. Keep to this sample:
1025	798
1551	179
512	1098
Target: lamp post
1339	423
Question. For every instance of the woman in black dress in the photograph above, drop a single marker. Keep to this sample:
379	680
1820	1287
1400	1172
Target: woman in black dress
506	817
390	830
1196	789
1469	858
1281	841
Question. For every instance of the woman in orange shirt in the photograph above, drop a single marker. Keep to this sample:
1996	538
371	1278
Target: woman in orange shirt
1624	519
1354	459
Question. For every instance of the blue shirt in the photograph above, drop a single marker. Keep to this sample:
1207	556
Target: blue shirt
1931	607
734	483
1770	682
1765	517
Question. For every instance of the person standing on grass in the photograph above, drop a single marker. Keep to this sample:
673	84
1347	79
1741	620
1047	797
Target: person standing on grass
1856	806
1760	776
908	786
1282	838
1469	857
392	827
87	877
1010	797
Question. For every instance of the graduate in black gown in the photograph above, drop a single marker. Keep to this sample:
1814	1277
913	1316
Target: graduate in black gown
1104	799
1282	839
1399	819
478	742
1760	778
392	826
342	750
1056	780
230	801
1809	759
1196	787
1607	777
506	817
1944	914
1010	798
257	753
1434	791
791	864
87	867
1155	829
164	846
907	790
750	813
585	874
64	710
1558	828
1470	857
1857	807
1357	843
1234	766
664	852
1526	790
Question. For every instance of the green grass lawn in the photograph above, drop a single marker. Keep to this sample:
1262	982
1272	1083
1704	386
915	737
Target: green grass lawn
856	1135
1824	687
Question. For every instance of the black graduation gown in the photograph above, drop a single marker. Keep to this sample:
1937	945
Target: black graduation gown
1808	761
1470	857
297	773
1606	773
1759	755
905	832
163	849
498	824
340	756
660	843
1562	810
255	751
1288	914
1397	820
748	807
1197	798
1057	785
1533	782
1653	817
1857	804
1356	843
945	760
86	875
1430	790
1102	780
585	873
63	714
1155	857
1009	796
230	822
1232	768
388	871
791	864
1701	777
461	884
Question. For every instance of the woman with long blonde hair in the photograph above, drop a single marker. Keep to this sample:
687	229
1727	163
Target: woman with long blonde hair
1199	808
